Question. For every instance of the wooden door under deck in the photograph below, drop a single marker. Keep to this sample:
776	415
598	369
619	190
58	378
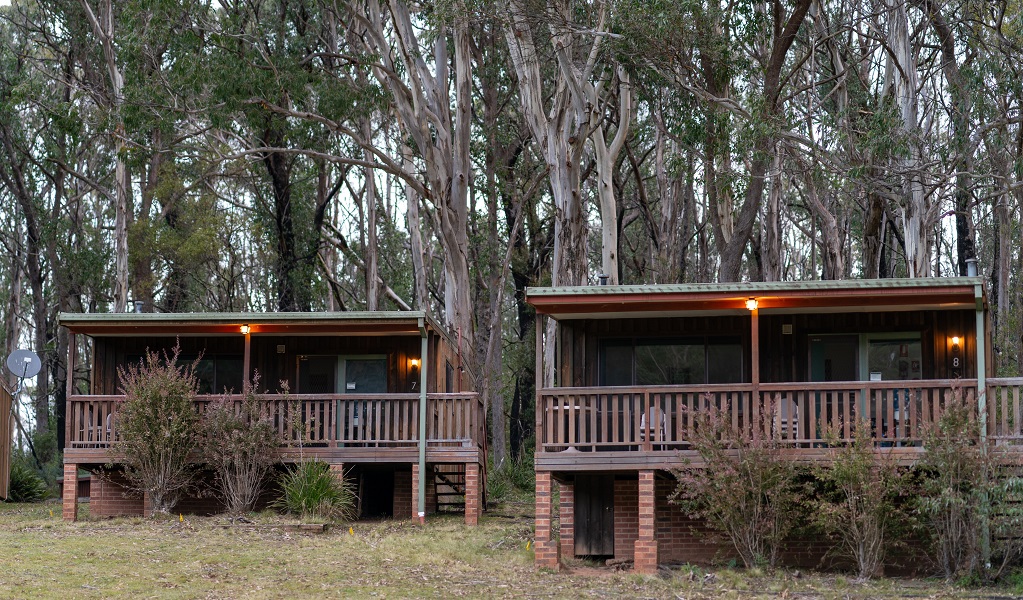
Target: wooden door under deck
594	515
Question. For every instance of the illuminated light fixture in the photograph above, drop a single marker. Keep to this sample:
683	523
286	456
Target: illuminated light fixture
245	329
751	304
414	363
955	341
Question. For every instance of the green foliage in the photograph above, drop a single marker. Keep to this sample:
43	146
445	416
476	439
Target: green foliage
238	442
744	489
26	484
862	502
513	479
969	501
157	427
953	489
310	489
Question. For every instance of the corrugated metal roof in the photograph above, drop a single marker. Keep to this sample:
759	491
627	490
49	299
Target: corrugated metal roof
758	287
66	318
850	295
364	322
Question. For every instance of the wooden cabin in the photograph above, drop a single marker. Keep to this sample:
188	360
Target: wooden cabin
380	396
630	366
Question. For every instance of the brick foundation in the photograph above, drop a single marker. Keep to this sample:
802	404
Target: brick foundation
70	493
645	546
108	497
338	471
404	494
472	493
680	539
416	516
567	519
546	551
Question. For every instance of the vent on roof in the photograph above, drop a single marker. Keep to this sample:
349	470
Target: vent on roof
138	306
971	267
602	279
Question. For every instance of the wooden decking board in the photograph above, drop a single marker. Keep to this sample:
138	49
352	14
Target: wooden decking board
574	461
348	455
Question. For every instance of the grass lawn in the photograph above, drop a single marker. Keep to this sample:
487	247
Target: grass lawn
43	557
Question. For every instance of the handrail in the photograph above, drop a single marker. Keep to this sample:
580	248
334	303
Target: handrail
800	414
369	420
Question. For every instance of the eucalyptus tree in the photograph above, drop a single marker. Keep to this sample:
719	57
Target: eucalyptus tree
261	52
47	172
584	78
103	21
737	60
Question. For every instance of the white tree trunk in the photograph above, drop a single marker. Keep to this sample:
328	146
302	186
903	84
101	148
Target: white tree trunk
423	105
902	70
103	28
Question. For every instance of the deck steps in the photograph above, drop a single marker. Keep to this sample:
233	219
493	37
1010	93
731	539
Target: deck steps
449	486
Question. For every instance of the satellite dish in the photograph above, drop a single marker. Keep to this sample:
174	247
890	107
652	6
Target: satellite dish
24	363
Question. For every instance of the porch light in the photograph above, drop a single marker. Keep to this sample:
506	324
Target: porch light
245	329
751	304
414	363
955	341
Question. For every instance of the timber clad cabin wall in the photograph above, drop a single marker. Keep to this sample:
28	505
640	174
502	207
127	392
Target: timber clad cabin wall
783	357
113	352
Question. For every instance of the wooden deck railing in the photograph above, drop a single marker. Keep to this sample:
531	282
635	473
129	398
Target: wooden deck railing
317	420
798	414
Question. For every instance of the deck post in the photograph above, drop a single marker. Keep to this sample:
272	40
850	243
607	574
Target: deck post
645	546
567	518
472	493
246	362
985	525
756	400
420	469
546	553
72	349
538	380
70	492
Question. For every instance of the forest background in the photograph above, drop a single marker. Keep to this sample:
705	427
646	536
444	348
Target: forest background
323	155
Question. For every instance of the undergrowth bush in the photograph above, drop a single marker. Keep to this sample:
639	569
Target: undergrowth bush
26	485
862	502
745	489
157	428
513	477
310	489
969	501
238	442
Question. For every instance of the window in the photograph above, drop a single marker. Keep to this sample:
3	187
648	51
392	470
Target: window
894	359
680	361
342	375
216	373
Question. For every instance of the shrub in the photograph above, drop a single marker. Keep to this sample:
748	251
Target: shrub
745	488
157	428
512	479
311	489
238	443
953	488
26	485
860	505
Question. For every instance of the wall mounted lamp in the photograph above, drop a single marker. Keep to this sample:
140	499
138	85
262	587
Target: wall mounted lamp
955	341
751	304
245	329
413	364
